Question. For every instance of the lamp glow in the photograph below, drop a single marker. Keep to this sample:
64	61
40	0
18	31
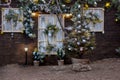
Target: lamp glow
26	49
68	15
33	14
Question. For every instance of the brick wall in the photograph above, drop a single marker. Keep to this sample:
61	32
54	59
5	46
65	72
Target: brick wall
12	49
110	40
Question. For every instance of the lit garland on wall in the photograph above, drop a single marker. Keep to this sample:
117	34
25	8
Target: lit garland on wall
51	6
57	7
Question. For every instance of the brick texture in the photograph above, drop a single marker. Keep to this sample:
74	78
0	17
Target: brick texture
12	49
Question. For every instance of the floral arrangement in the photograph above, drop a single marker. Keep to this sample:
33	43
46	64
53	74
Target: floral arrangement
12	15
60	53
50	47
35	56
118	50
93	18
51	30
38	56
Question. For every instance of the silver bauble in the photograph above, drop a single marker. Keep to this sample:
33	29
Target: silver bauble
78	43
79	6
75	39
69	49
95	3
84	41
81	48
79	31
78	15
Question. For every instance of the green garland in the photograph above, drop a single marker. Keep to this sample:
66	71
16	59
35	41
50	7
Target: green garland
50	6
56	7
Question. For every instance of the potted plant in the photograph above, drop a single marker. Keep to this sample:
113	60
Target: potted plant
37	57
118	51
41	57
60	54
80	39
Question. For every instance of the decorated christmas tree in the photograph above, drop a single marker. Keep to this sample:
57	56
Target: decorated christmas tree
80	39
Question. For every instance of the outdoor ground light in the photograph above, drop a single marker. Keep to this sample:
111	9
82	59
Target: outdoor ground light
26	50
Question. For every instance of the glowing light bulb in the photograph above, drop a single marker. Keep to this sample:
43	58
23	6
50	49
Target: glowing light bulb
26	49
116	20
68	15
33	14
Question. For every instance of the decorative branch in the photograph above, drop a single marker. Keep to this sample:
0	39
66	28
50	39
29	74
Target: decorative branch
58	6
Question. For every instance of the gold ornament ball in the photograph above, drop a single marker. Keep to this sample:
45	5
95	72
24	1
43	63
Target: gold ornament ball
86	5
68	1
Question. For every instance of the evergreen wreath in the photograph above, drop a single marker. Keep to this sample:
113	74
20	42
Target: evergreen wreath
52	29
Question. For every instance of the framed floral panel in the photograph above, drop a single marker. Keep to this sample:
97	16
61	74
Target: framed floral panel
12	20
45	41
98	12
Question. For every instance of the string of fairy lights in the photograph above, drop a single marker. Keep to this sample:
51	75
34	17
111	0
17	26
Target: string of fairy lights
32	8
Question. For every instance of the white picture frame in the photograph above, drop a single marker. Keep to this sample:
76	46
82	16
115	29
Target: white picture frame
10	25
99	27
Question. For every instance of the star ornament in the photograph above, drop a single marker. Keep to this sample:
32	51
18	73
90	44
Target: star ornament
107	5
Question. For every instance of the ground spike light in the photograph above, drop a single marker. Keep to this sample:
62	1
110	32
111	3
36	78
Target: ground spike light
26	50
